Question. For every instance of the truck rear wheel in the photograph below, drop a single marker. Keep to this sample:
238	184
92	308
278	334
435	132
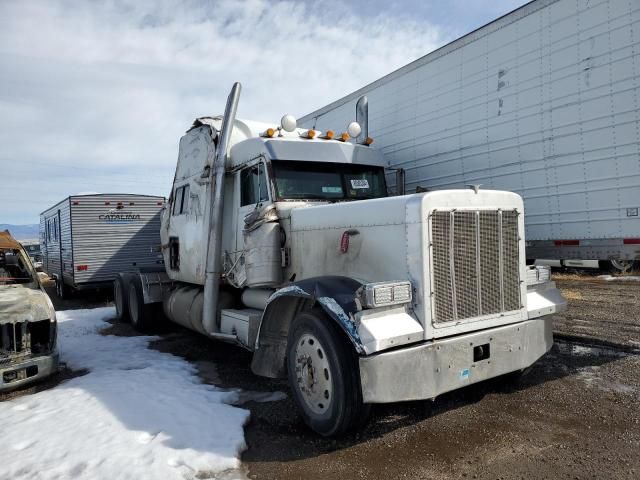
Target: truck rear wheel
139	313
323	375
121	295
61	289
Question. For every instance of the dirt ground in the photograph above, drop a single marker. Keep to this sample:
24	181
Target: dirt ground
605	311
575	414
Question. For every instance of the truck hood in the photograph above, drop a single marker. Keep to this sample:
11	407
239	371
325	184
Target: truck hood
19	304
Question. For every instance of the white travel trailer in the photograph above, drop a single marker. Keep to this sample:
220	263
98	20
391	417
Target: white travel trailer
284	241
87	239
543	102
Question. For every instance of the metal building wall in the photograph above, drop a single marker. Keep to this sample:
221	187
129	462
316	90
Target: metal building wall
543	101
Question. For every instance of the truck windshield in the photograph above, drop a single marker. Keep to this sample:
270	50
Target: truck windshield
327	181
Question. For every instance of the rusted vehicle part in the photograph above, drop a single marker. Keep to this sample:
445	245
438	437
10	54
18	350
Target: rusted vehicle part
27	320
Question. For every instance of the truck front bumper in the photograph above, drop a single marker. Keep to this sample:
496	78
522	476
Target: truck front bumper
18	374
429	369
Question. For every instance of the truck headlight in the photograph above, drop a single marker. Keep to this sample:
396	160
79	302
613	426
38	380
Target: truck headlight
382	294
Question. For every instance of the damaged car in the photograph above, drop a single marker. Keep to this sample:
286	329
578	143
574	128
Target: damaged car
27	320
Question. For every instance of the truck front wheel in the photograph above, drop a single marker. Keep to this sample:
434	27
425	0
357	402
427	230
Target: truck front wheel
323	375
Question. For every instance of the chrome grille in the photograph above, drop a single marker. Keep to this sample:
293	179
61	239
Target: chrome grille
475	263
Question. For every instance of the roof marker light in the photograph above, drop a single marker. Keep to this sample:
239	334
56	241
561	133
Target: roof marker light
329	135
310	133
269	132
344	137
368	141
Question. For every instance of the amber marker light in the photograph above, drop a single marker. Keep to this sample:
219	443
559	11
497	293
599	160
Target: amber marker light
368	141
329	135
269	132
344	137
310	134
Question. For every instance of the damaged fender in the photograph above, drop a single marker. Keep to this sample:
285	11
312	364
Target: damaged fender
336	295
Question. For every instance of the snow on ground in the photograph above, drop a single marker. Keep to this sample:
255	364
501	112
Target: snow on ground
620	278
137	414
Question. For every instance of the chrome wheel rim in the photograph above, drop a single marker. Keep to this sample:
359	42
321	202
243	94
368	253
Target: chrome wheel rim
313	374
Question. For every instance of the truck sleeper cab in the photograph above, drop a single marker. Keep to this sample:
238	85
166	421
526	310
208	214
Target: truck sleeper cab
354	296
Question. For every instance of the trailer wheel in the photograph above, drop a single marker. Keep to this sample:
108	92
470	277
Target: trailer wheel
121	295
139	313
323	375
61	289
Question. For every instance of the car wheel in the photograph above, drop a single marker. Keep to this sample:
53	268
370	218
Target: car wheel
323	375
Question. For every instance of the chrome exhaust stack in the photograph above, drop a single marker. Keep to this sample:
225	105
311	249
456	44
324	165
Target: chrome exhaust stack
362	117
213	270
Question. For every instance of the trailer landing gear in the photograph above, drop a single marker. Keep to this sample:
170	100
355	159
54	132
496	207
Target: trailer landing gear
623	266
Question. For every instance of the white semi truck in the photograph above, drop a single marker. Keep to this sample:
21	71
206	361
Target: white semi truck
284	241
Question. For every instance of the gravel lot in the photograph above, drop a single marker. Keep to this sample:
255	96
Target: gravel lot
605	311
575	414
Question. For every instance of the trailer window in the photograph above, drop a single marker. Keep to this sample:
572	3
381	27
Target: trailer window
181	200
253	185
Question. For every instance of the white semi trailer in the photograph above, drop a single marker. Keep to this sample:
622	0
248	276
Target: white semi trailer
545	102
284	241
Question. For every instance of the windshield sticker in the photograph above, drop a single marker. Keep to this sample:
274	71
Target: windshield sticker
364	183
331	189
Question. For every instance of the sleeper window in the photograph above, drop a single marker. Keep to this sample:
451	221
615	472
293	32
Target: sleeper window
181	200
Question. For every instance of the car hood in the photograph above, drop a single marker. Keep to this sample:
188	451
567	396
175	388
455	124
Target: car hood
19	304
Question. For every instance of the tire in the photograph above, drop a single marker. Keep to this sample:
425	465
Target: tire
323	374
61	289
139	313
121	295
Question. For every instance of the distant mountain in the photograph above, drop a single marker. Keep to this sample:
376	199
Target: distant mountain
22	232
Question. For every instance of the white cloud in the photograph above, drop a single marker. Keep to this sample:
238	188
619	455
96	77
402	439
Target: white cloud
96	95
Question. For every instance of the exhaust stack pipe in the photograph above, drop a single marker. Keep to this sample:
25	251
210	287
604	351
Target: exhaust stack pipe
362	117
213	270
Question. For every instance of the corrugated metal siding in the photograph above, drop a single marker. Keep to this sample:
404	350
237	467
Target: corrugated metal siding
108	239
543	102
55	263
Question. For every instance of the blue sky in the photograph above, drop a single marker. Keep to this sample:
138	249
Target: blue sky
95	95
